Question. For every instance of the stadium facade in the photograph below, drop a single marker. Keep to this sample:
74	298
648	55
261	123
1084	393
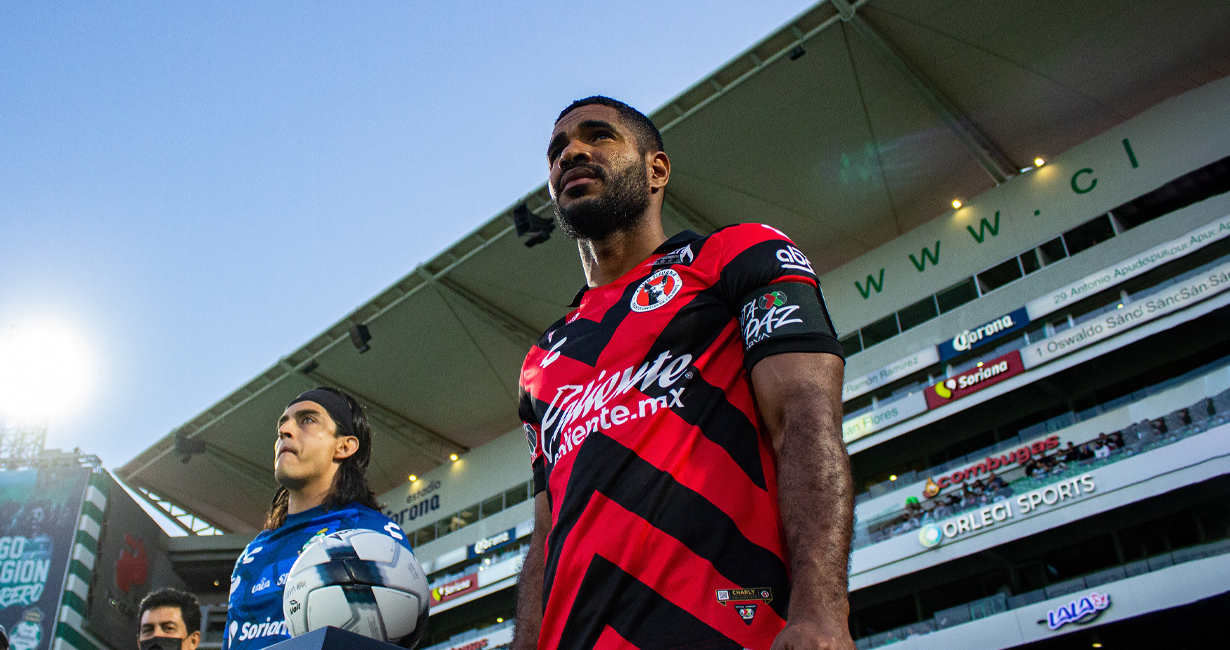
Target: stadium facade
1037	396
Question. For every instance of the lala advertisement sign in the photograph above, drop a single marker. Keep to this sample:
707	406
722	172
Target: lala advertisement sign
988	373
1080	611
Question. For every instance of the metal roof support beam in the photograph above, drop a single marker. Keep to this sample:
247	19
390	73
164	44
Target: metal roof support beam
168	439
994	161
242	466
520	332
689	215
157	506
395	421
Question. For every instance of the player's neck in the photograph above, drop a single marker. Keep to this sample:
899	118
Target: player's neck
608	259
309	496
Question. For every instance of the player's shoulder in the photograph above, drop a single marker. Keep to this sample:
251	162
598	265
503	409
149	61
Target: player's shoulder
359	515
749	234
364	517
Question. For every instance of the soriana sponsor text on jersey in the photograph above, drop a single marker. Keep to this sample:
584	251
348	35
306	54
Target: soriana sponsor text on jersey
987	373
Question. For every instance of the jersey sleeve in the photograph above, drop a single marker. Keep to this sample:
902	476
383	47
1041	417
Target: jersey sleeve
533	436
770	285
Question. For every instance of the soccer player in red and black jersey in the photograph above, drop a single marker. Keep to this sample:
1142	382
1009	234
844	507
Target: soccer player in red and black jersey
684	424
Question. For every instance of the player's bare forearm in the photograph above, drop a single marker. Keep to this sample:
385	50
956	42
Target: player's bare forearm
529	584
799	396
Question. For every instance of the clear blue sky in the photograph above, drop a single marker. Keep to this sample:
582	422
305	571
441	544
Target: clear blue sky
198	188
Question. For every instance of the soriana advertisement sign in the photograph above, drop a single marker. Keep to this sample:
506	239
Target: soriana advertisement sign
988	373
454	589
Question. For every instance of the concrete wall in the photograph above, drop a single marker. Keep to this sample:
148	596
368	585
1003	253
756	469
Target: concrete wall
1167	141
480	474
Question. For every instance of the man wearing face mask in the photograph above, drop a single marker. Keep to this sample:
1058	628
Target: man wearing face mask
170	620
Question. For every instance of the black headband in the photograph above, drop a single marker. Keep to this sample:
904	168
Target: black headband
336	405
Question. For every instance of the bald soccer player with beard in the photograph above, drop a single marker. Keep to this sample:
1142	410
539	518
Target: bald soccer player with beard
684	421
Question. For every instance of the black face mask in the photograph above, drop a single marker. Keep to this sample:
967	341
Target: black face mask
161	643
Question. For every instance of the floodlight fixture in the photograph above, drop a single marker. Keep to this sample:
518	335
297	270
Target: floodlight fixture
529	223
360	336
186	447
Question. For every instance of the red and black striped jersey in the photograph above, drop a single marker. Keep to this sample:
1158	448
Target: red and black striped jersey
638	408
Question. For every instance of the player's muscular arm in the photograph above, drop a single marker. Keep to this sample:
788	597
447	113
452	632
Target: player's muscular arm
529	585
799	397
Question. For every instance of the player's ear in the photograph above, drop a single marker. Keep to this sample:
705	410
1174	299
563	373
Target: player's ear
658	170
346	447
193	640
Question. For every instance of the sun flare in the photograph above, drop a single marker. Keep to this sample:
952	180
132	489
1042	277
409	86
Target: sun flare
45	371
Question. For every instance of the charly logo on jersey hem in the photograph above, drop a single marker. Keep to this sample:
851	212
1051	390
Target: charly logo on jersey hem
657	290
682	255
745	594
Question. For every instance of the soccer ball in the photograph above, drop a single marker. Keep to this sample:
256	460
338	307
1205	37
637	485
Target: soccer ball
361	581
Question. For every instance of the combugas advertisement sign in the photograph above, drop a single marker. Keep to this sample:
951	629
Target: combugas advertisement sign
987	374
38	521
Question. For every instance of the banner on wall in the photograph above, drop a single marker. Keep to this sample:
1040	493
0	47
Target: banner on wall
455	589
979	336
38	524
986	374
130	563
1182	295
857	426
902	367
1130	268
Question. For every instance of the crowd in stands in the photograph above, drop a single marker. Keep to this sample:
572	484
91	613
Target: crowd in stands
1043	469
490	559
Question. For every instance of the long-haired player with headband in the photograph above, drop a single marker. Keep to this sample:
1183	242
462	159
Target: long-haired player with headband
321	455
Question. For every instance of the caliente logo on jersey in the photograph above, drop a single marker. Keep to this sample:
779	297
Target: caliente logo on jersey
657	290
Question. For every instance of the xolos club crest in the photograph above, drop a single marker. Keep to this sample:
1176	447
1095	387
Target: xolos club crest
657	290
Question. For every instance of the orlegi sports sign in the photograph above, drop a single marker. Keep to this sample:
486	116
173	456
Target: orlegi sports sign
983	334
1003	512
987	374
1184	294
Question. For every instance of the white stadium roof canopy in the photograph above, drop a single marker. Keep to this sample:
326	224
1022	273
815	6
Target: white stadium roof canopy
849	126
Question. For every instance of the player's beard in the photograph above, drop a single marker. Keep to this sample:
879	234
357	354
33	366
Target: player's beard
620	208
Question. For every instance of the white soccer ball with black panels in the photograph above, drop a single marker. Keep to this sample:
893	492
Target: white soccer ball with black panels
361	581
